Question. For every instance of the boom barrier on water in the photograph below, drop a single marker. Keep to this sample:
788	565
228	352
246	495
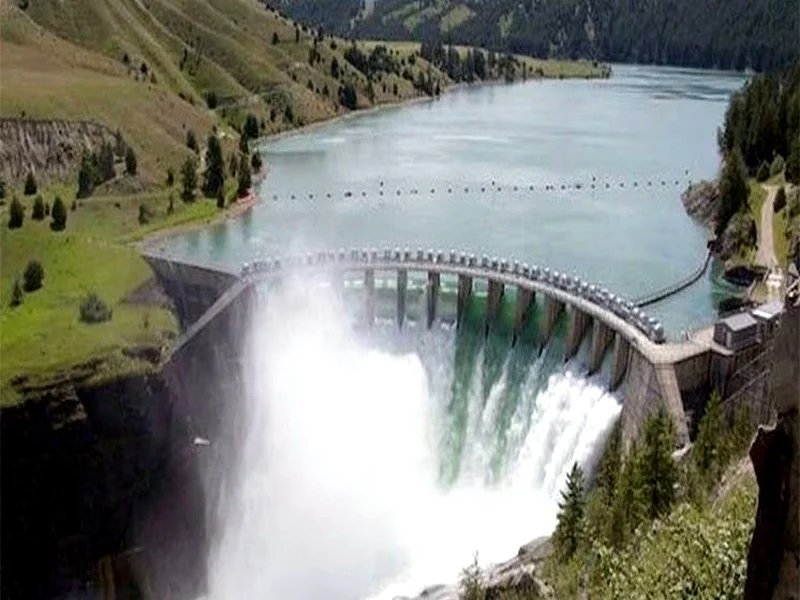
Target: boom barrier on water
489	187
678	286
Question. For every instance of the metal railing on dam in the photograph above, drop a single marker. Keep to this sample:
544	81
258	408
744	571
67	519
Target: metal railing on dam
650	371
620	314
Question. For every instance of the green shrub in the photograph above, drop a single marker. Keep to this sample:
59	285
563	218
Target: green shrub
144	215
471	583
16	214
30	184
777	166
59	215
762	174
33	276
693	553
170	177
38	209
94	310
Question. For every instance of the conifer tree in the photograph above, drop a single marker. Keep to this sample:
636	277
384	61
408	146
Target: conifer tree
571	511
659	472
214	176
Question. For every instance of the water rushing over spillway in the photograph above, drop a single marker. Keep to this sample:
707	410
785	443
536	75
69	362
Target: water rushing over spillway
377	461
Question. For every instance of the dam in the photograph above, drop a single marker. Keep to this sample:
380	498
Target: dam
643	369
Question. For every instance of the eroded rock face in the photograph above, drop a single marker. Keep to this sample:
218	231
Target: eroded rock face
48	148
773	565
701	202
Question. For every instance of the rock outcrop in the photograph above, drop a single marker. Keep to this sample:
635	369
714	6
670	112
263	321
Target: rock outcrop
519	574
701	202
773	565
51	149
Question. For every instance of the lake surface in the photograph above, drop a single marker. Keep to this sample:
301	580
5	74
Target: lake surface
644	133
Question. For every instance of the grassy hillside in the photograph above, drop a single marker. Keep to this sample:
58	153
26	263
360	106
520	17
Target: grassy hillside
43	340
155	69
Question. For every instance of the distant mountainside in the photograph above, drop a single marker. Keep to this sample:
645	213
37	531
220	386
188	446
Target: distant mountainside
726	34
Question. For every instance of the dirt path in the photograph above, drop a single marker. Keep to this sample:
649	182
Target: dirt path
766	243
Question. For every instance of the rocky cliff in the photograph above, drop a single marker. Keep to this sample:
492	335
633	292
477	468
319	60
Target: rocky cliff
773	567
701	202
90	472
51	149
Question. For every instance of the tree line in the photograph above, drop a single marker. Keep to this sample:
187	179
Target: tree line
734	34
762	123
616	512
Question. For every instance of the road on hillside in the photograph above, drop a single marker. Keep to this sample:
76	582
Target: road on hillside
765	256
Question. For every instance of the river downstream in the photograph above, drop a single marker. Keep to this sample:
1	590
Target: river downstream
632	143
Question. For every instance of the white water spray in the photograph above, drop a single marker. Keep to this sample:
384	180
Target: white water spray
339	496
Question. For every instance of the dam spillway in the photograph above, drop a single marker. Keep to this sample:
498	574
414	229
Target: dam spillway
377	459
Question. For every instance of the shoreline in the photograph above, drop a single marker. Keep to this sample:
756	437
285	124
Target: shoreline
236	211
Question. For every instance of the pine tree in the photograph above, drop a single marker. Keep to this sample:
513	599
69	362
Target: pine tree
106	162
233	164
170	177
659	472
245	179
189	178
85	177
628	509
256	162
38	209
16	293
16	214
793	163
711	449
59	215
191	141
119	144
214	176
275	39
733	189
250	128
571	511
2	188
30	184
130	161
608	471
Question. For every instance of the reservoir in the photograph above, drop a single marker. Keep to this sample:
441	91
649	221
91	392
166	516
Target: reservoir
644	133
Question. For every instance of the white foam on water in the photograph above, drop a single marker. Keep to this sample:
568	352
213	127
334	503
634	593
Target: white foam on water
339	496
